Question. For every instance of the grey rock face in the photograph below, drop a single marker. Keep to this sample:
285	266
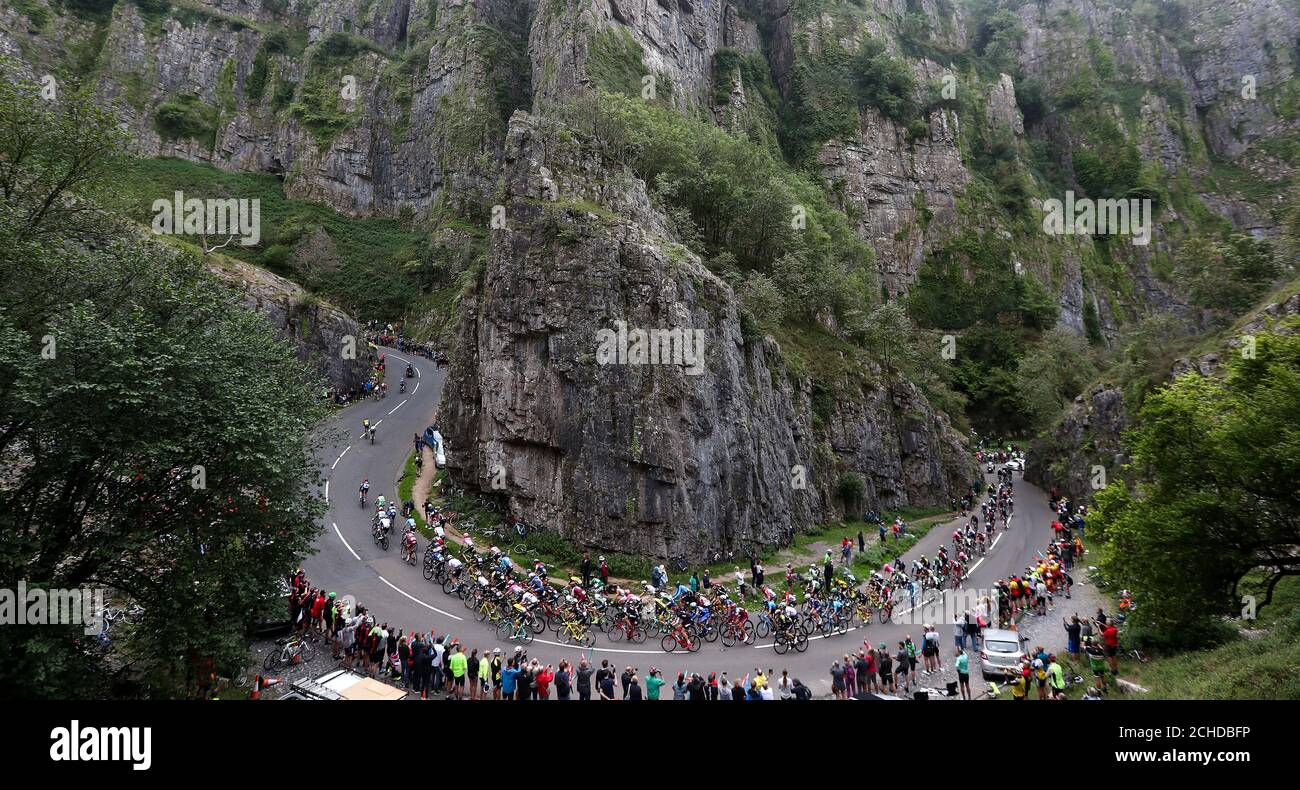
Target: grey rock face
678	40
650	459
318	331
1088	439
903	193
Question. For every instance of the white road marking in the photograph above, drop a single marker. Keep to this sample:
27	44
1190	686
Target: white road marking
400	405
327	492
340	458
407	361
345	542
417	600
417	388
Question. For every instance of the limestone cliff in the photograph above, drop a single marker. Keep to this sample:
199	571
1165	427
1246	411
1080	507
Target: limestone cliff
648	458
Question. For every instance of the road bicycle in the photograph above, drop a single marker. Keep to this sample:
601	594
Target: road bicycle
409	551
380	536
291	651
679	562
131	614
681	638
516	627
625	627
573	631
789	637
736	631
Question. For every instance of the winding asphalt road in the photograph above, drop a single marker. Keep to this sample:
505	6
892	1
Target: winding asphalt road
348	562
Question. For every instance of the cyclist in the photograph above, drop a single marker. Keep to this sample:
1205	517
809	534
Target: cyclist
364	490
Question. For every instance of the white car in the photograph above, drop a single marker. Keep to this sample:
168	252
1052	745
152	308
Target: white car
1015	465
1001	653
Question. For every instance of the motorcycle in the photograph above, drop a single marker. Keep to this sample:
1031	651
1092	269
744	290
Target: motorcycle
410	371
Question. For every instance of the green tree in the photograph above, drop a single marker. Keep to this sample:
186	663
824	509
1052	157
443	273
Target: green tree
154	442
49	150
1220	457
1054	370
1225	276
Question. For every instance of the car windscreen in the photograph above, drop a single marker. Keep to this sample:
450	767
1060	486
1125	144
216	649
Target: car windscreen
1002	647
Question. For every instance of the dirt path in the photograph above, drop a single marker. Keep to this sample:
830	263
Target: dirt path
424	481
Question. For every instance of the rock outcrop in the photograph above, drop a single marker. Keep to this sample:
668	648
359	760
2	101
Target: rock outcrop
323	335
1085	450
652	459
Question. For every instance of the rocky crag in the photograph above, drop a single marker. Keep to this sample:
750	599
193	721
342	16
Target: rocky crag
651	459
410	108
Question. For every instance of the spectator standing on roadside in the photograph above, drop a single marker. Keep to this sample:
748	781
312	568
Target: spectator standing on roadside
584	680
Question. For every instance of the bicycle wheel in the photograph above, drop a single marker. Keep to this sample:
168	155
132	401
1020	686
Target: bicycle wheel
638	635
668	643
763	628
710	632
781	646
587	639
616	633
505	631
383	541
448	585
273	658
885	613
801	643
306	653
525	634
428	571
748	633
729	636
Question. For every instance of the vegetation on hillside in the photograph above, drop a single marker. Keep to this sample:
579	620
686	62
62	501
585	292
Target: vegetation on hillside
127	392
1217	458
